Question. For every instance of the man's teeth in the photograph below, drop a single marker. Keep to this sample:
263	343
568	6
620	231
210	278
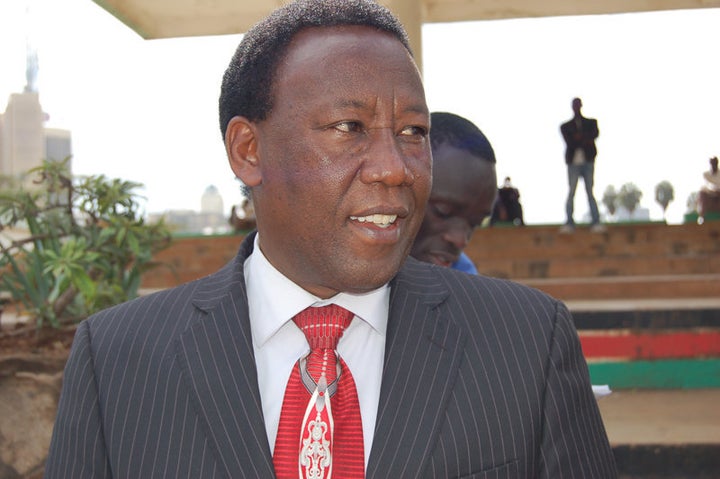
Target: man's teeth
382	221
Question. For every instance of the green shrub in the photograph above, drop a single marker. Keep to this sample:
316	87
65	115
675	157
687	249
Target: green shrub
664	194
78	245
629	196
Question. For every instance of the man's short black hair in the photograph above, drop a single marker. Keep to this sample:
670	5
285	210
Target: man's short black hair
247	86
454	130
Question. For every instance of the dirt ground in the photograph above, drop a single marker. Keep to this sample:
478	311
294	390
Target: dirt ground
20	339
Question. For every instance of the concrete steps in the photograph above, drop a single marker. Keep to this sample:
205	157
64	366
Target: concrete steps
628	261
620	239
686	286
664	434
627	264
645	297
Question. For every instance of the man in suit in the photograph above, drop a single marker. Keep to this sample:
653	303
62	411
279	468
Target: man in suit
324	118
579	134
462	195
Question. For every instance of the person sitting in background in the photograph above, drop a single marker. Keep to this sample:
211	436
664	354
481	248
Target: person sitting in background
462	195
709	197
242	216
712	176
507	207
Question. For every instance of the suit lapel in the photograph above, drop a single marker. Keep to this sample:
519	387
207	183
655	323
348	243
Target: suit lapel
422	356
216	356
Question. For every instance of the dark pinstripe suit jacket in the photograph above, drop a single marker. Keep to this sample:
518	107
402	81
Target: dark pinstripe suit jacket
483	379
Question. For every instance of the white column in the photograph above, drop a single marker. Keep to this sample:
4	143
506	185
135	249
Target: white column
411	15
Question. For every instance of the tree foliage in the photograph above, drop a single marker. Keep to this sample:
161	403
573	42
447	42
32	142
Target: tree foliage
609	199
664	194
629	196
72	246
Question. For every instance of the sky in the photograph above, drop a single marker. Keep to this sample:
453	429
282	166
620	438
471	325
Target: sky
146	110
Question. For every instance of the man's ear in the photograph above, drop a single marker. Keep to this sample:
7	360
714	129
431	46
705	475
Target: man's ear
241	147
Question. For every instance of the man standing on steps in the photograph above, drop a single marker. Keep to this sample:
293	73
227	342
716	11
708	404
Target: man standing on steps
579	134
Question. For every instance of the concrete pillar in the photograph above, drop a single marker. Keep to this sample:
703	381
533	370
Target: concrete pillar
411	15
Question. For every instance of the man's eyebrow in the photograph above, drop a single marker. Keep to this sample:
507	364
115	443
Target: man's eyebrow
353	103
418	108
345	103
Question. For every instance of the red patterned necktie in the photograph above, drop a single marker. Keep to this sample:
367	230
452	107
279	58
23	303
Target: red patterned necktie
320	433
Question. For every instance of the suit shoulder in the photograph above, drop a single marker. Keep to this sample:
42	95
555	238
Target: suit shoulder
565	125
147	300
143	311
460	286
480	305
507	288
503	298
172	302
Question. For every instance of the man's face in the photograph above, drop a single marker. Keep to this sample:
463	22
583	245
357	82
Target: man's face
344	161
463	191
577	105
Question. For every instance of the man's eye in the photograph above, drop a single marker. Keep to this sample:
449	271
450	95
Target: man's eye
414	130
348	126
440	210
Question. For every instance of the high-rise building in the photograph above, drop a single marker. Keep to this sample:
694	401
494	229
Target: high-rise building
58	144
21	134
24	140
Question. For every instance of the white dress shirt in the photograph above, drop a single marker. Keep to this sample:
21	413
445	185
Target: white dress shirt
278	343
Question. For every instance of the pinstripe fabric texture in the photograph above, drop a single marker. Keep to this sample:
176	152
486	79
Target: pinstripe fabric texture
485	379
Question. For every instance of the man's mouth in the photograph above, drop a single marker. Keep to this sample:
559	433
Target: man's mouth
382	221
443	263
442	259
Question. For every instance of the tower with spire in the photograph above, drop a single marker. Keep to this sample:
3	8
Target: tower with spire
24	140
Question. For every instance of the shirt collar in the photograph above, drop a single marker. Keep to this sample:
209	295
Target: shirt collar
273	299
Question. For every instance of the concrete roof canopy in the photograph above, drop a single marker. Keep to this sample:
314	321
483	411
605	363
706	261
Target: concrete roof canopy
153	19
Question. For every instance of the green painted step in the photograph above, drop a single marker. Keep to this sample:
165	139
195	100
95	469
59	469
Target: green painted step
660	374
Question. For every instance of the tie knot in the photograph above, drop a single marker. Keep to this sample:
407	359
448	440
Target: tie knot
323	326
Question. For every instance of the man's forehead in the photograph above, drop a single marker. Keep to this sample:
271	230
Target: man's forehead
350	59
360	37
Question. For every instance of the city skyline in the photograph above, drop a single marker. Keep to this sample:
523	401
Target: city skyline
146	110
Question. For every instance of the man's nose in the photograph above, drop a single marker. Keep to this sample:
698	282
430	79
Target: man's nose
458	234
385	161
